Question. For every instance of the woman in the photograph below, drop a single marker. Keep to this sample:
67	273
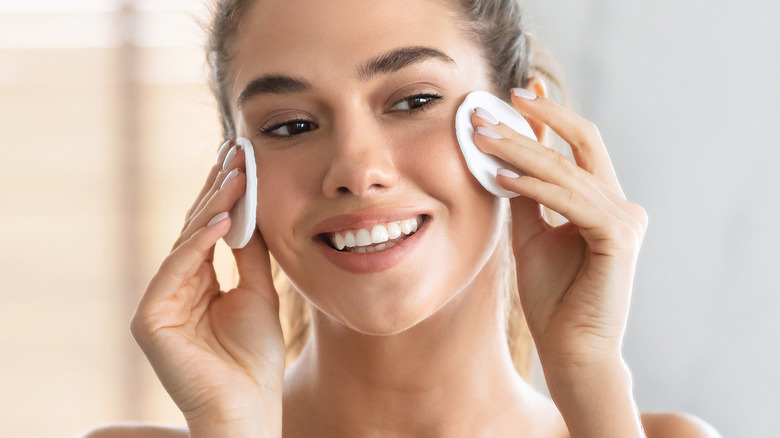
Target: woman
350	106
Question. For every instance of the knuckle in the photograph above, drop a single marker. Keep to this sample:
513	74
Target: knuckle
574	198
642	217
625	232
639	215
627	237
620	238
137	328
562	161
592	131
588	133
486	145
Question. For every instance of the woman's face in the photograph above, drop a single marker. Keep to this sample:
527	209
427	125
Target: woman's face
350	106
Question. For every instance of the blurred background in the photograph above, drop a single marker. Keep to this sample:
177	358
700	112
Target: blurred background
107	129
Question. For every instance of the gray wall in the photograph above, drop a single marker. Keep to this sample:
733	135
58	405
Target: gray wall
687	96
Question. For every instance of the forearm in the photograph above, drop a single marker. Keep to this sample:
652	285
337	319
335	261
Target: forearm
596	402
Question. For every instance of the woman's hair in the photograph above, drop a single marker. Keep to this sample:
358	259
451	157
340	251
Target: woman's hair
495	25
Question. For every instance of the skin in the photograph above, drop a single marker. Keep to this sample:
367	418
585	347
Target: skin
417	349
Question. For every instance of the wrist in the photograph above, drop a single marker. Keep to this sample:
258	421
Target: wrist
595	399
229	430
261	421
576	370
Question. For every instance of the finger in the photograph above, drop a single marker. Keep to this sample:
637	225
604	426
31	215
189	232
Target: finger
605	233
207	186
181	265
234	159
221	200
527	219
582	135
549	165
254	268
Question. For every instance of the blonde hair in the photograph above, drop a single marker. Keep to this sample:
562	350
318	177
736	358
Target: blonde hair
513	58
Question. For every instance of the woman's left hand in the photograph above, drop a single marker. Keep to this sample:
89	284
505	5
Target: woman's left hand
574	279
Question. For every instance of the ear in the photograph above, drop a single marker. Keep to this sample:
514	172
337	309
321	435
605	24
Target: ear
537	86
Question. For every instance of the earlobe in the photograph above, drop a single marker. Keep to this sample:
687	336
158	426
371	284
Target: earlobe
537	86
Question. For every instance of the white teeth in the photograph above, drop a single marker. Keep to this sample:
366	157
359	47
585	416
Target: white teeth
393	230
363	237
349	239
379	238
379	234
409	226
339	241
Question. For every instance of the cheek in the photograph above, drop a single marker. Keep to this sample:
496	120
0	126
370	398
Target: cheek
435	163
281	198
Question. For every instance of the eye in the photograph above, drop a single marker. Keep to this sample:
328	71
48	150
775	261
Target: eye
289	128
415	102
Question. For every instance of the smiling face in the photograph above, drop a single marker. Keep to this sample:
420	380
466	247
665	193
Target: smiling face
350	107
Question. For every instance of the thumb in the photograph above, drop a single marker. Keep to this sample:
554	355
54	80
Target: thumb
527	220
254	264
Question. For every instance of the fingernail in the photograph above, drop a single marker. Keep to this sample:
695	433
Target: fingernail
222	151
523	93
230	155
217	219
487	132
507	173
483	114
229	176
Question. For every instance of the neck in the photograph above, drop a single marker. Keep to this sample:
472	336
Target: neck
449	375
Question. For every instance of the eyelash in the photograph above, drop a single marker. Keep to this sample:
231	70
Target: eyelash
433	100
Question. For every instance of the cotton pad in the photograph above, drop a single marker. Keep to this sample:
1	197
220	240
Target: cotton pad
242	215
484	166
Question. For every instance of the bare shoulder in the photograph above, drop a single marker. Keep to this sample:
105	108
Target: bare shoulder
676	425
136	430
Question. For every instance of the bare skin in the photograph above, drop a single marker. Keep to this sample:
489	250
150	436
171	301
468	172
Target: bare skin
416	348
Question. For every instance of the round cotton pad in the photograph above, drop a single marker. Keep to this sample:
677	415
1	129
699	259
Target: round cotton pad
482	165
242	215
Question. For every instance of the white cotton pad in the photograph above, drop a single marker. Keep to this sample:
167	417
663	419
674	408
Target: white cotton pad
482	165
243	214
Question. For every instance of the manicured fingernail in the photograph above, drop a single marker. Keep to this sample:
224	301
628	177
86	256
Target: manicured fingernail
523	93
229	176
487	132
217	219
483	114
222	151
230	155
507	173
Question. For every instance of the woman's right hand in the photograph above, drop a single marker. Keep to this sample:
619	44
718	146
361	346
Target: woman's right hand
220	355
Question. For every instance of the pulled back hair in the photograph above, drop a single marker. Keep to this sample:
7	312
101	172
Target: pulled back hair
512	57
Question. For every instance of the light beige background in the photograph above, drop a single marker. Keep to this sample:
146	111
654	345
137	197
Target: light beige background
107	130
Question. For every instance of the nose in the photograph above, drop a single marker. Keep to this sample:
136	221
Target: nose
362	161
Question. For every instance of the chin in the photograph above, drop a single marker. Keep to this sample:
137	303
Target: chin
384	309
385	326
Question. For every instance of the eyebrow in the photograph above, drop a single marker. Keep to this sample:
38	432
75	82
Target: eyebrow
400	58
386	63
272	84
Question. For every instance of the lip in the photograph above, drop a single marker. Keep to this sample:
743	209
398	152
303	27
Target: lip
368	263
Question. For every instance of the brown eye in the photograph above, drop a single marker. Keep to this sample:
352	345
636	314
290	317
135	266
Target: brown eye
289	128
416	102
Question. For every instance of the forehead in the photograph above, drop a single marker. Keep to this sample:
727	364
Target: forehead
326	39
